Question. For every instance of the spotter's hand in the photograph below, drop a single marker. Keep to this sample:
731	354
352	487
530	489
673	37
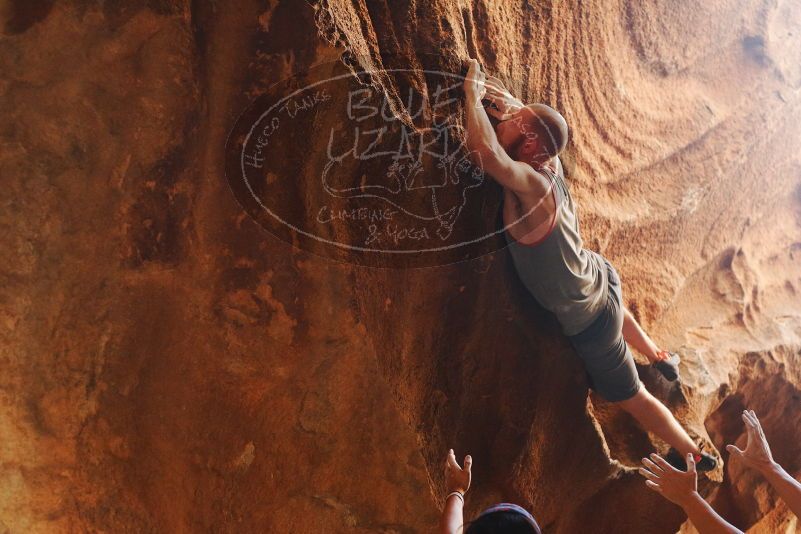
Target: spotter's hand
456	477
674	485
757	453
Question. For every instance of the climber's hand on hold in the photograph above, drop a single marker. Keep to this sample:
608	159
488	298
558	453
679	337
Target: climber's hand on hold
505	105
757	453
496	84
502	115
678	487
457	478
474	83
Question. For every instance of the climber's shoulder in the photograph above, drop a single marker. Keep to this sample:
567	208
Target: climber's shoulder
533	184
537	185
517	176
522	179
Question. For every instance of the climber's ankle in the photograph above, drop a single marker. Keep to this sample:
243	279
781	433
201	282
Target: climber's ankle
654	354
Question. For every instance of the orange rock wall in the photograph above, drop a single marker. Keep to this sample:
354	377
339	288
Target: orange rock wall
168	366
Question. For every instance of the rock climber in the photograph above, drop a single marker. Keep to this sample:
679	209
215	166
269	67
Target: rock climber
578	285
504	518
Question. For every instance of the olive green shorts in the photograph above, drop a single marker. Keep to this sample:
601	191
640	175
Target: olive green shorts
606	356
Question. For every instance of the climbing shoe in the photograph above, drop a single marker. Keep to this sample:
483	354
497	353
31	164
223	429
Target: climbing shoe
703	461
669	367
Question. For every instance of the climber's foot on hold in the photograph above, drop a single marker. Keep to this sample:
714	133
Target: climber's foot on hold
669	367
703	461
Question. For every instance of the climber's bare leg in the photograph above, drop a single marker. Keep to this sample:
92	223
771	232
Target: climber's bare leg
656	418
637	338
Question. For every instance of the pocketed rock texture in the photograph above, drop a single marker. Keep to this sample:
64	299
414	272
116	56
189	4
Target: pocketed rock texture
168	366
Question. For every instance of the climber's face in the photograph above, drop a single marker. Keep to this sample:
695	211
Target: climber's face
515	134
509	133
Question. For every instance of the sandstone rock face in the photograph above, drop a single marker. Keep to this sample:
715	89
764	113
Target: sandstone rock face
170	366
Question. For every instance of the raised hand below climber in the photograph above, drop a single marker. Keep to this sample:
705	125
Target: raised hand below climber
757	456
502	517
681	488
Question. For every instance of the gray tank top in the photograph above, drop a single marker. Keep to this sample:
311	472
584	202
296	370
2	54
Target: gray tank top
564	277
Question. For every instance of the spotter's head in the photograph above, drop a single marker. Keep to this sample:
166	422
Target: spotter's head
535	134
504	517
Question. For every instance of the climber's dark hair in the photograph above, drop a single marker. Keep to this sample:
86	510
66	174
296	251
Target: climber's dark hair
501	522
